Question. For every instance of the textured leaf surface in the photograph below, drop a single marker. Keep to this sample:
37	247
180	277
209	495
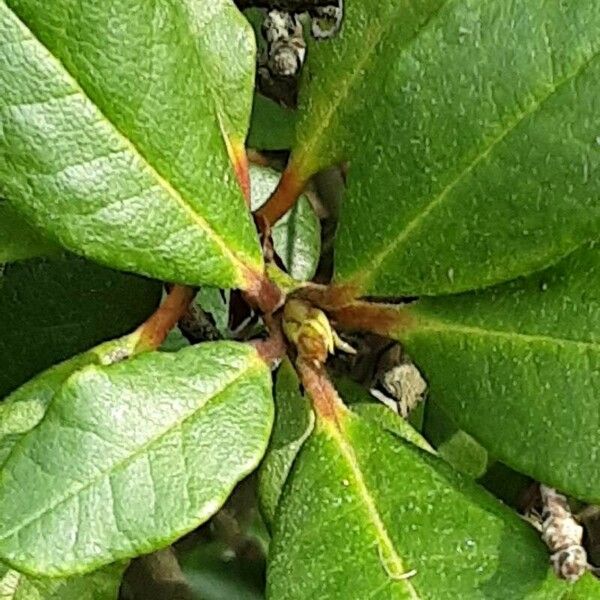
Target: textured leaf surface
120	126
100	585
54	308
132	456
22	410
472	133
363	508
297	236
294	421
18	240
518	367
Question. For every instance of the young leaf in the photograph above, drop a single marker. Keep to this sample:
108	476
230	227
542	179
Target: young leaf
18	240
55	308
123	128
99	585
478	160
294	422
131	456
368	515
297	236
518	367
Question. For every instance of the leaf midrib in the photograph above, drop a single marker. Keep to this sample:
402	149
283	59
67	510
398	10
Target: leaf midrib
162	182
383	538
253	365
370	40
365	275
426	324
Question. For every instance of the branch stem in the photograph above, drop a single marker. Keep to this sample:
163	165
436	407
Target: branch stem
325	399
284	197
153	332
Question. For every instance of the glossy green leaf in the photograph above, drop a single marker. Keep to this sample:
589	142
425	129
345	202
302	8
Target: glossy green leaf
271	125
54	308
518	367
99	585
18	240
294	422
297	236
364	509
472	134
122	126
131	456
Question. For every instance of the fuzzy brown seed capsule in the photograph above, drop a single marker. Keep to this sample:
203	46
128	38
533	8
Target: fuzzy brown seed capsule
563	536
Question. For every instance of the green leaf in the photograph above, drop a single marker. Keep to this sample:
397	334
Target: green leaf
294	422
55	308
123	127
297	236
22	410
99	585
587	588
271	125
18	240
364	508
362	403
216	302
478	159
518	367
392	422
454	445
131	456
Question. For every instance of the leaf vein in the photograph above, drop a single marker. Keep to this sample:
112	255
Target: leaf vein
376	261
73	492
172	193
383	538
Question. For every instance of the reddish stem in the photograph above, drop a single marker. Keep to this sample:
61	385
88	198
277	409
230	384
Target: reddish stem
283	198
325	399
274	347
382	319
263	294
153	332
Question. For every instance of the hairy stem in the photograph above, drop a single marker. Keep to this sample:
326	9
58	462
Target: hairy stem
326	402
264	295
